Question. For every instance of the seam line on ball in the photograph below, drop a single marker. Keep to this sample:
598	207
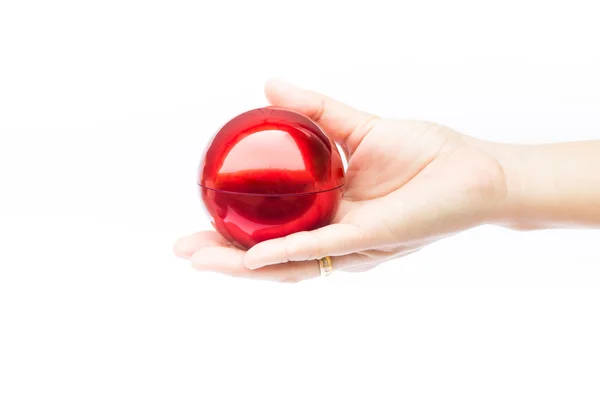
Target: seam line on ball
270	194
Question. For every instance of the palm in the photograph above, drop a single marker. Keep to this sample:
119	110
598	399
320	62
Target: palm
391	154
420	166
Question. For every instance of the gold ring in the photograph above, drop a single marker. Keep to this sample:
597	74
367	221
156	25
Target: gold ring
325	266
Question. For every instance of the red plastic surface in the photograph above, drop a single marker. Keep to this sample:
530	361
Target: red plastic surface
269	173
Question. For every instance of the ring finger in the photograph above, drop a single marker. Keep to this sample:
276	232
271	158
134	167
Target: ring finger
229	261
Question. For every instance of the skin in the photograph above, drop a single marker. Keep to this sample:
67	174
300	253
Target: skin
410	183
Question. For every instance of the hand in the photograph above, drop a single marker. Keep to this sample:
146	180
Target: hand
409	183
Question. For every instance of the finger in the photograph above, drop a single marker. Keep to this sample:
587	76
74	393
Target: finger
344	124
222	259
297	271
188	245
331	240
229	261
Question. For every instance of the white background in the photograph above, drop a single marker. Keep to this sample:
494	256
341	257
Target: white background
104	110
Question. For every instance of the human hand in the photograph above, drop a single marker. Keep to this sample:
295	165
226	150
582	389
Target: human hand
408	184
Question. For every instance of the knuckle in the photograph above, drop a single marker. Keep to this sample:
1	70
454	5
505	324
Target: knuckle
318	114
288	248
312	246
363	129
369	124
300	246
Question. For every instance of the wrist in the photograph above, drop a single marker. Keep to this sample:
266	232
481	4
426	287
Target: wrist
514	209
548	185
499	187
513	206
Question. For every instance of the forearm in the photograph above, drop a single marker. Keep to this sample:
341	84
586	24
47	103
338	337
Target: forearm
553	185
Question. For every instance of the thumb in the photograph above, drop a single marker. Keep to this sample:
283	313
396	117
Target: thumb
343	124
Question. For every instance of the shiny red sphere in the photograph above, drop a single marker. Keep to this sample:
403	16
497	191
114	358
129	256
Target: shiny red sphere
268	173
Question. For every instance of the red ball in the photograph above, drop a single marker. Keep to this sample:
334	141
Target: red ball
268	173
